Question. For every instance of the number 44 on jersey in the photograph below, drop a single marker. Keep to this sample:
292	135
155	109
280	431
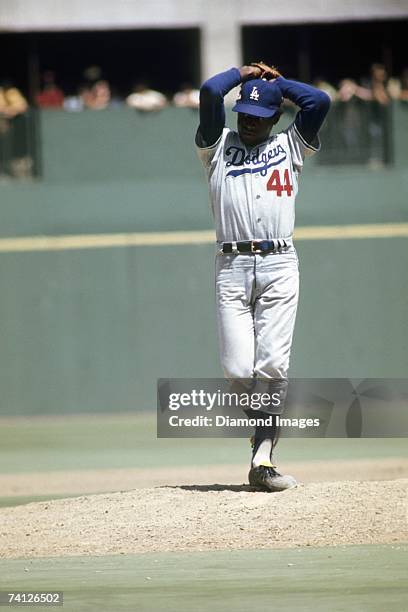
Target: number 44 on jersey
275	184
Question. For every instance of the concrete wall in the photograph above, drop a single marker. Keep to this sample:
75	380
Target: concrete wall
220	21
30	15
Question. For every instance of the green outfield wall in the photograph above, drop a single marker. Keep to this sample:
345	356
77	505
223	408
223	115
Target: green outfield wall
92	329
119	170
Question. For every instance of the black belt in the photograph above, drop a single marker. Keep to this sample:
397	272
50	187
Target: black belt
254	246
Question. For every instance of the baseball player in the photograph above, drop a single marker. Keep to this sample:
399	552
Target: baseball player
253	180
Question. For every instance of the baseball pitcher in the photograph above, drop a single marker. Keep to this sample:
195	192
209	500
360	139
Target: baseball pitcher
253	178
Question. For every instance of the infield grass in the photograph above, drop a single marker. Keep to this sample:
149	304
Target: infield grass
354	578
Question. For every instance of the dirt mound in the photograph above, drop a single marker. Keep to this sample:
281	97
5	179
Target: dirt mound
208	517
79	482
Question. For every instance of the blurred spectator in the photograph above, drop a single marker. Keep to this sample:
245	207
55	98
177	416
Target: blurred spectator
51	95
145	99
348	115
379	84
404	85
83	98
325	86
14	156
394	88
98	97
75	103
187	97
12	101
375	91
348	89
94	92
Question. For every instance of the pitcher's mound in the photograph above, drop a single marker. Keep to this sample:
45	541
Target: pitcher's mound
208	517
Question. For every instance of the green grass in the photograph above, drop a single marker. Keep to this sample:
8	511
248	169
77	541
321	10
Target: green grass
355	578
42	444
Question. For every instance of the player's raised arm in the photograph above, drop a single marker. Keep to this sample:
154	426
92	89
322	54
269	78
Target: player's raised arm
212	111
314	105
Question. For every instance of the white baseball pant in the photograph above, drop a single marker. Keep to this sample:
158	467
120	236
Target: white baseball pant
256	297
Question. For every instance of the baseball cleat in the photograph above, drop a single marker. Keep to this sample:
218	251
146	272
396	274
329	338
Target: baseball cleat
266	478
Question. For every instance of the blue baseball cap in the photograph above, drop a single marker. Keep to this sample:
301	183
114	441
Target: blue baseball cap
259	98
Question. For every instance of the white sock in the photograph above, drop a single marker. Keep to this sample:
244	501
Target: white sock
263	454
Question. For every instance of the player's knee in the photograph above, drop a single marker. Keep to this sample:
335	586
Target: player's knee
236	370
273	368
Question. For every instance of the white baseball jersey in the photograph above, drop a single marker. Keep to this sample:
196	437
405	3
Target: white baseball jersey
253	190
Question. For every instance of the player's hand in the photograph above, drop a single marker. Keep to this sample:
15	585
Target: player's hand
266	72
250	72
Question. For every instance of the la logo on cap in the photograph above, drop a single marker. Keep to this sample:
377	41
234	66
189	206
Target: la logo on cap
259	98
254	94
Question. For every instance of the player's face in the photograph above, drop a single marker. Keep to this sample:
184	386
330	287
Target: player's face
254	130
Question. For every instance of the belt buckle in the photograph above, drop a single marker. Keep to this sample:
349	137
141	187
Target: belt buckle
254	249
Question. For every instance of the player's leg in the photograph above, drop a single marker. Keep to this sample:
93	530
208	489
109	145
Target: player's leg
277	278
234	288
277	281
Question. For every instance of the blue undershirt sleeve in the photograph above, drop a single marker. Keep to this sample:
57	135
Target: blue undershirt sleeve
212	111
314	105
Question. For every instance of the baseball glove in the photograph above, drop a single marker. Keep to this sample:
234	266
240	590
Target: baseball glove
267	72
